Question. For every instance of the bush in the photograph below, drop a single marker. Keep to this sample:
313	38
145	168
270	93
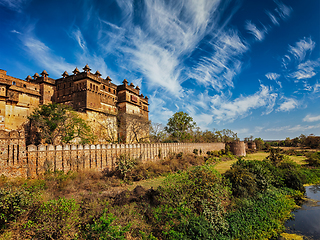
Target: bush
12	204
104	228
242	180
260	218
313	159
275	156
200	191
55	219
125	164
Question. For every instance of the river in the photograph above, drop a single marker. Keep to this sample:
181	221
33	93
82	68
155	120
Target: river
307	218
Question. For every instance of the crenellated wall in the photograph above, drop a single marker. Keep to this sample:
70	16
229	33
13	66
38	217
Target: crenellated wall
18	161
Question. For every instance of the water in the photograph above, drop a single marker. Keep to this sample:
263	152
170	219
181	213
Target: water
307	218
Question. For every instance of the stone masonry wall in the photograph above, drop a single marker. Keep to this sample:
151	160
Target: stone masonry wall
17	161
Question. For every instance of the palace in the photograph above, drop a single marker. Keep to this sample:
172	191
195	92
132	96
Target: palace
96	99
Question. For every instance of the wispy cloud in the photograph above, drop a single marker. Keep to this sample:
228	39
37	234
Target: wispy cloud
272	76
310	118
16	5
305	70
273	18
224	110
288	104
283	10
79	38
259	34
301	48
297	128
218	69
167	32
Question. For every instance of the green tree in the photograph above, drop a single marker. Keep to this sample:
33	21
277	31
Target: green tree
56	124
180	125
259	143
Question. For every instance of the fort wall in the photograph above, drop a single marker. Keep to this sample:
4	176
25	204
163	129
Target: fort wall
17	160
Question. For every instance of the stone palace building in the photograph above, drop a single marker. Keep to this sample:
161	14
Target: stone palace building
96	99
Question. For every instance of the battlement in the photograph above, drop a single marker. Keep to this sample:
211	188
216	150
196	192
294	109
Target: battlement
85	92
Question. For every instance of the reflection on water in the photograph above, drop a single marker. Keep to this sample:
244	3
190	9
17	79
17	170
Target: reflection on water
307	218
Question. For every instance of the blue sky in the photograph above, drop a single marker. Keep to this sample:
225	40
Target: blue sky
249	66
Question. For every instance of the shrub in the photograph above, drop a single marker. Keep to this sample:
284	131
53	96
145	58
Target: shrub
12	204
313	159
200	191
104	228
261	217
275	157
242	180
55	219
125	164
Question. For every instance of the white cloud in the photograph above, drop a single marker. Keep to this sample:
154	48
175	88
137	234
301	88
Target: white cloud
15	5
283	10
158	110
272	76
288	104
301	48
218	69
273	18
168	31
257	33
305	70
79	38
310	118
224	110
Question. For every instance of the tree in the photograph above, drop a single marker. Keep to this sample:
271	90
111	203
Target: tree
57	124
157	133
259	143
179	125
133	128
226	135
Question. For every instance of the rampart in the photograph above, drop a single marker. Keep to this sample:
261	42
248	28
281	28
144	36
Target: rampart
17	160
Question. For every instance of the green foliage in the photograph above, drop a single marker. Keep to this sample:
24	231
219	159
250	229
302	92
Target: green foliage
259	143
313	159
12	204
200	191
242	180
104	228
196	227
179	125
55	219
275	156
56	123
125	164
261	217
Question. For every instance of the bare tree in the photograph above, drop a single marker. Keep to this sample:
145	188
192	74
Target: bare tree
157	132
133	128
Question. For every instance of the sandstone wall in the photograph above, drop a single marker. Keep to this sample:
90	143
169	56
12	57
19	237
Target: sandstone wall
16	160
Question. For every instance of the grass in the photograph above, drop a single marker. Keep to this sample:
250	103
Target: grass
148	183
222	167
257	156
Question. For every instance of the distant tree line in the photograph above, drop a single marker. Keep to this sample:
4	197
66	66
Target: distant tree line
310	141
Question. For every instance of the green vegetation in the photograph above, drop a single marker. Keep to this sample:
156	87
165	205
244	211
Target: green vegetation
56	124
190	199
180	125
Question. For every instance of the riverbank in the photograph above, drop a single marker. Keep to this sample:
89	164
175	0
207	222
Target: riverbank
192	199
